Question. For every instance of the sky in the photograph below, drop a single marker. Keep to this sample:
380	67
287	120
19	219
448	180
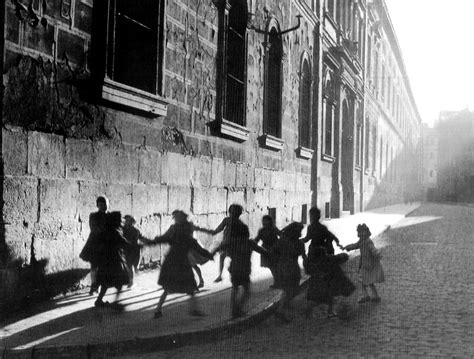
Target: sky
437	42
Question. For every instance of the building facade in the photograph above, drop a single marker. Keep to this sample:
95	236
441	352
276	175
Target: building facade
194	105
455	177
429	162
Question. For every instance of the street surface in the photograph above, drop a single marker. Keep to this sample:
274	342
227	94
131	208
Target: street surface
427	307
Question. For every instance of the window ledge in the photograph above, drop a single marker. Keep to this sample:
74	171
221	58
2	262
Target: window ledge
358	168
125	95
304	152
271	142
328	158
367	171
234	130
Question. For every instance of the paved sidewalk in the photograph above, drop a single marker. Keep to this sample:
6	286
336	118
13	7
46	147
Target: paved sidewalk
72	327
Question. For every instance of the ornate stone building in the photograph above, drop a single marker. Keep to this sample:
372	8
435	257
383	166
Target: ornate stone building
193	105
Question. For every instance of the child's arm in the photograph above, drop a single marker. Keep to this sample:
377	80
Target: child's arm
352	246
204	230
373	250
258	248
219	228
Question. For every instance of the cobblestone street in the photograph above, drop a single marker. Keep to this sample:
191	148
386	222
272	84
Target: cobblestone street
427	307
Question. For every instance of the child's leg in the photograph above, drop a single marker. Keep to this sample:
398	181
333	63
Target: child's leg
366	296
160	304
199	273
93	275
234	302
245	295
375	293
116	305
99	302
221	267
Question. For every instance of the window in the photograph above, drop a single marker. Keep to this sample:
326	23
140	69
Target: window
381	157
328	106
367	144
273	85
374	148
131	71
358	148
136	63
305	106
236	60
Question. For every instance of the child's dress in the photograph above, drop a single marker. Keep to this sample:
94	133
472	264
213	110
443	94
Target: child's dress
286	252
327	278
176	275
370	268
269	237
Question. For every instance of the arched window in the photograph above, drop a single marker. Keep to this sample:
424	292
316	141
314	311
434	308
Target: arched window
273	84
305	106
236	56
329	109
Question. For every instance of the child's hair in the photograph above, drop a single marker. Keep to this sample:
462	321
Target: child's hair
361	228
130	219
293	230
102	199
267	218
314	211
179	213
235	209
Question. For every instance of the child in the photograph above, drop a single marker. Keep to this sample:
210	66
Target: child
176	275
235	210
370	269
97	225
132	235
112	264
238	247
268	234
318	233
286	252
327	279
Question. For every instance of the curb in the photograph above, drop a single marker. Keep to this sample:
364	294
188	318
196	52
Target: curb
152	344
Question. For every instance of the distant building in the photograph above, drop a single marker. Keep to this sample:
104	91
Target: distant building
455	131
429	162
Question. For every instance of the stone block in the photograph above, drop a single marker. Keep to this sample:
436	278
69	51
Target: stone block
15	152
201	172
148	200
149	169
116	164
217	198
262	199
58	200
179	198
150	227
258	178
200	200
54	242
40	38
217	173
276	198
80	159
120	197
20	196
83	17
230	170
236	197
18	242
178	169
46	155
243	172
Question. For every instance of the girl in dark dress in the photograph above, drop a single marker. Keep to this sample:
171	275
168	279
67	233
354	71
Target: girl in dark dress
176	275
327	279
93	246
112	269
268	235
286	252
318	233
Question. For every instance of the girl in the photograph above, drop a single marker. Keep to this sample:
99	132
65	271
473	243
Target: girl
112	263
268	234
238	246
370	269
286	252
93	246
327	279
176	275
